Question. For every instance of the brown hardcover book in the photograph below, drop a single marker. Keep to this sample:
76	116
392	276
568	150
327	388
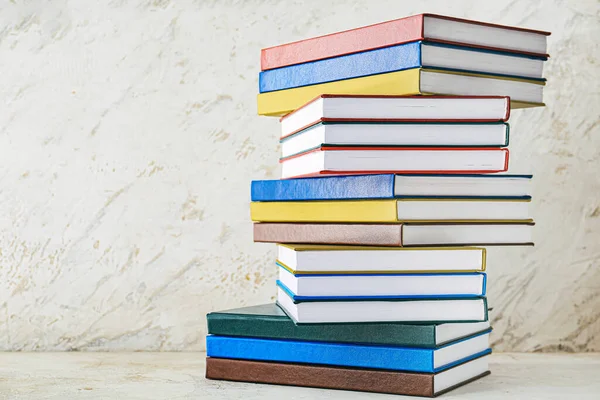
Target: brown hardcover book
364	380
412	234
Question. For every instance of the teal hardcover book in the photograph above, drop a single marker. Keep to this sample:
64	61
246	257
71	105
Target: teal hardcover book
269	321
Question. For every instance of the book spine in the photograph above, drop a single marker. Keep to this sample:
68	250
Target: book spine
325	377
483	259
342	354
484	285
388	59
283	328
352	41
507	115
349	234
324	211
353	187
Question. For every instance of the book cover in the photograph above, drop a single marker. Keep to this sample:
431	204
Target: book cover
348	234
346	211
414	140
365	38
342	211
341	187
399	83
388	234
341	354
372	62
360	259
349	187
270	322
330	377
343	312
406	168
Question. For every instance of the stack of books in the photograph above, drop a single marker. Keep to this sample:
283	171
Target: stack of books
384	200
422	54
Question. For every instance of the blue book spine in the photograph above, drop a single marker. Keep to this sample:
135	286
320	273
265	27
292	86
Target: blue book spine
380	61
330	188
330	353
398	358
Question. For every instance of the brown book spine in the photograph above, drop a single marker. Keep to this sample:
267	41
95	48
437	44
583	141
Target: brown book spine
349	234
378	381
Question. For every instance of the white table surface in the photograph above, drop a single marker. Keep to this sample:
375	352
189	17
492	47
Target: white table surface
149	376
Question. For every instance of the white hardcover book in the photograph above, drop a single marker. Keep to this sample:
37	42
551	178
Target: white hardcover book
396	108
348	285
395	134
413	310
361	160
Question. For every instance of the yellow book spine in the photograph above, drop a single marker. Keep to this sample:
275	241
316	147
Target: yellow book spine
281	102
324	211
484	259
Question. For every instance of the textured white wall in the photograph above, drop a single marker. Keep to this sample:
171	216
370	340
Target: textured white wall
128	140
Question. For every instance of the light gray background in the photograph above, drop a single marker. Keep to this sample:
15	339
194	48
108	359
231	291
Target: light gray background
129	137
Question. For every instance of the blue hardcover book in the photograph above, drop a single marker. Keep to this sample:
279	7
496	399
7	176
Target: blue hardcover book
350	355
393	186
402	57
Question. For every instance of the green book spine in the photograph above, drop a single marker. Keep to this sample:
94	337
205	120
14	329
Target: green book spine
229	324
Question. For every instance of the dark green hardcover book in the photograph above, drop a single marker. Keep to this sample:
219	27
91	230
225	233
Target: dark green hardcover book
269	321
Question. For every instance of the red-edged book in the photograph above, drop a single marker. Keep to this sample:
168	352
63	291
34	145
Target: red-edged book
340	108
340	160
429	27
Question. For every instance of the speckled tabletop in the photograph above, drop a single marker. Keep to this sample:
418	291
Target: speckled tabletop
75	375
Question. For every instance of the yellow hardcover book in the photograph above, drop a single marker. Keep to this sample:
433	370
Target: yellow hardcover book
393	210
400	83
324	211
